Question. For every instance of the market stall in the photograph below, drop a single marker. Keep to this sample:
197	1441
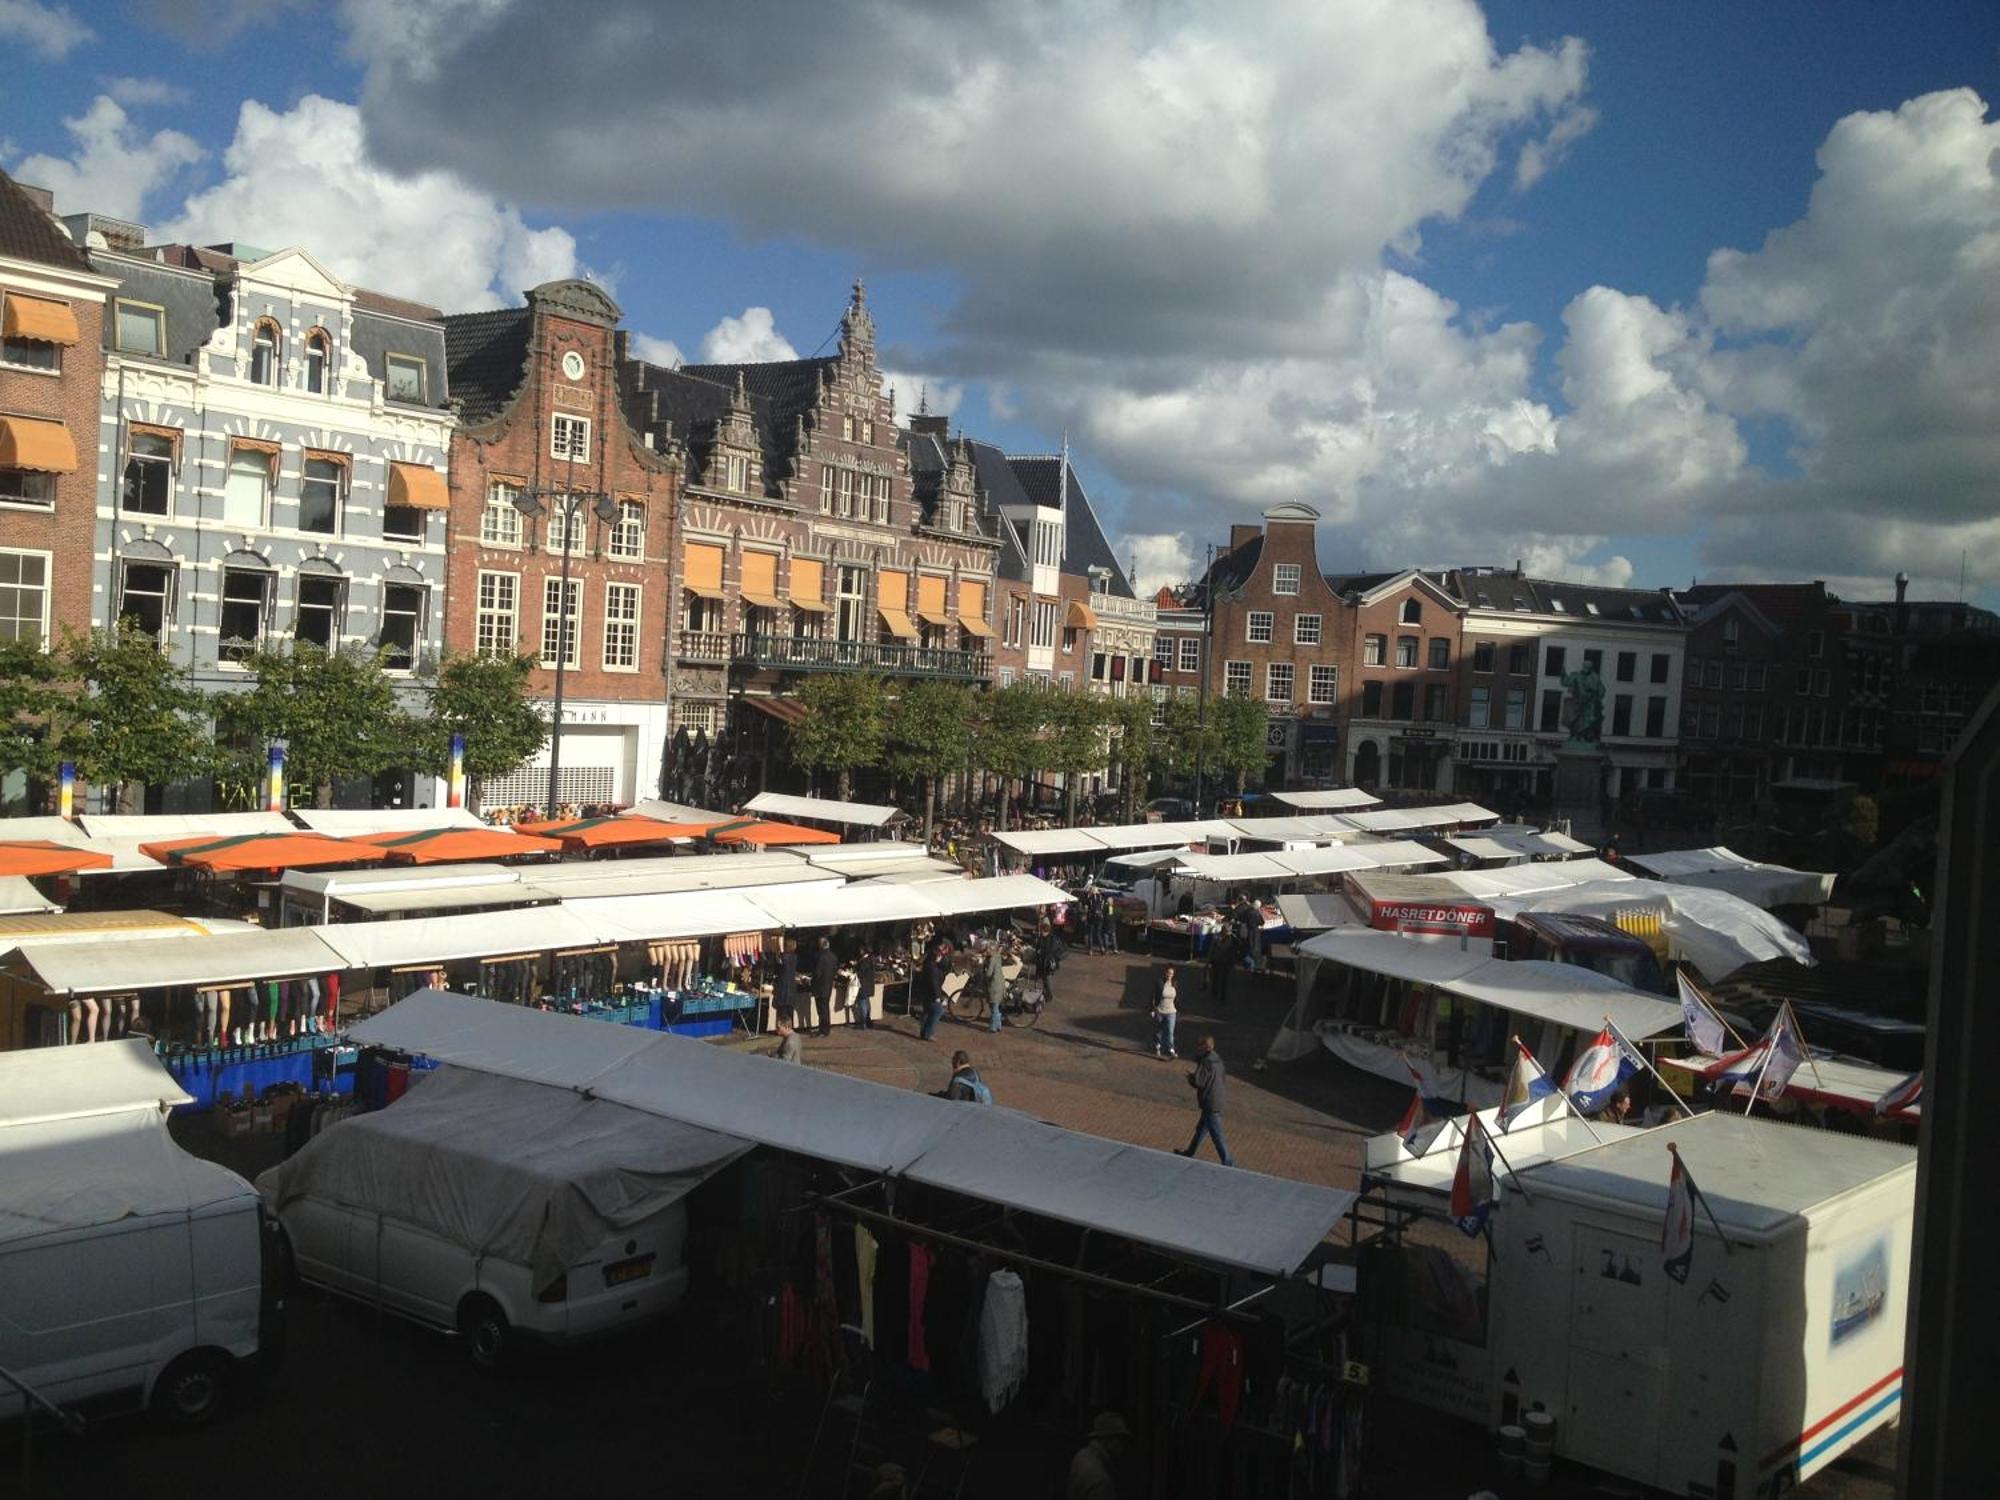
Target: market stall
1720	869
1508	844
19	896
871	815
1334	799
362	822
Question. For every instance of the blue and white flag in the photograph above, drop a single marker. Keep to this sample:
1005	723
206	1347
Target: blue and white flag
1526	1083
1705	1031
1427	1115
1766	1065
1677	1237
1599	1071
1474	1189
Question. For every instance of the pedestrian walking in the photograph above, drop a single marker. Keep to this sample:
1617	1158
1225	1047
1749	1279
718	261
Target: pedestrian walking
1164	1015
965	1084
996	985
864	989
1221	957
1208	1081
931	984
1110	901
1048	954
826	969
785	991
1093	1472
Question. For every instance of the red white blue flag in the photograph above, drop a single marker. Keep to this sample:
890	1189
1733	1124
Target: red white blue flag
1766	1065
1906	1097
1526	1083
1677	1237
1427	1114
1705	1031
1598	1071
1474	1189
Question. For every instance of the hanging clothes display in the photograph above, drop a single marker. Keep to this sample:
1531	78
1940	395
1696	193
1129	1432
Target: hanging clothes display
920	1277
864	1259
1003	1339
1221	1367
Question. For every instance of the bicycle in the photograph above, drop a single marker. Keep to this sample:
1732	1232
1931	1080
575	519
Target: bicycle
1021	1005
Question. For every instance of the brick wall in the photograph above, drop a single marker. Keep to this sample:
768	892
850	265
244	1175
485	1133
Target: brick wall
65	530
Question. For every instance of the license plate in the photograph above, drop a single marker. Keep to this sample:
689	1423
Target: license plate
621	1271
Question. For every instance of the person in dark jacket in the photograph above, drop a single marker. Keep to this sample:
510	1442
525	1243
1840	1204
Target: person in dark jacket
1221	958
826	969
785	991
1208	1080
966	1086
864	988
931	981
1048	955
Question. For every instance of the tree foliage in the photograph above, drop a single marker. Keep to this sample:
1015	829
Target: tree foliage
484	698
135	717
930	734
30	688
1008	739
845	727
1074	730
1130	725
1240	742
336	711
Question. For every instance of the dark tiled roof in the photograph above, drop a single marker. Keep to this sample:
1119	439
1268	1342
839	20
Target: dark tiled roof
681	403
1231	569
395	307
1356	583
28	233
996	478
1785	605
788	386
1502	588
486	354
1084	544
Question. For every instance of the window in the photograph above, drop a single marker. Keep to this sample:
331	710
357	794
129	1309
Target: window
628	535
149	475
1517	709
1440	653
1628	666
1043	629
246	594
496	626
1594	660
1753	722
1306	630
1190	653
27	487
1552	709
1520	659
1816	643
1481	711
319	495
318	353
1323	683
320	608
1437	702
867	432
1621	714
1406	651
1553	659
1007	677
1732	721
621	627
1656	717
405	382
1659	667
146	598
826	487
1403	701
735	472
850	604
1373	650
404	523
847	426
264	353
1285	578
246	488
1729	634
1754	679
1712	674
1371	700
403	625
1738	675
1482	656
569	438
1262	627
565	531
1236	679
140	328
561	620
1163	652
500	522
1822	682
1069	640
1279	680
24	597
33	346
1413	612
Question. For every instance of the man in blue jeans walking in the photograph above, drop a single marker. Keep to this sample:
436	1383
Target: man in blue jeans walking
930	989
1208	1080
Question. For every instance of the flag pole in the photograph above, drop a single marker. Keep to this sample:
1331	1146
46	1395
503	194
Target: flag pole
1562	1093
1799	1032
1525	1197
1713	1009
1646	1063
1701	1198
1757	1085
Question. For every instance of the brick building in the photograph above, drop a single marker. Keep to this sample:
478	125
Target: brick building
542	417
1402	708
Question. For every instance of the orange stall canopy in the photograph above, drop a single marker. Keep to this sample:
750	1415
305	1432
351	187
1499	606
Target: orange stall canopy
439	846
41	857
260	851
760	832
610	833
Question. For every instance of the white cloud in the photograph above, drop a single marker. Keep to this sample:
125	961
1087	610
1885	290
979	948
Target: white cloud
48	31
1538	155
305	177
115	165
1161	559
914	389
749	339
212	24
139	93
657	351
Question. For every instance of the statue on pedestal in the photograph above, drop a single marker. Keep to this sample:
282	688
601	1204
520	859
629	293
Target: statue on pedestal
1583	714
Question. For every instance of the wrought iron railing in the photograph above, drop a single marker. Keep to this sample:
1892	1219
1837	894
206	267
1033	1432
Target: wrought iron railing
809	654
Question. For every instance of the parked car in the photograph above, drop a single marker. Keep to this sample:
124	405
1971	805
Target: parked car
510	1213
1170	809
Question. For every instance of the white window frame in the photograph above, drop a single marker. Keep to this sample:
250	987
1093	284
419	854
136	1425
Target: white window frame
159	315
169	592
336	615
264	464
488	639
1261	627
418	628
621	628
568	641
48	562
1306	630
339	495
1273	673
266	580
1163	652
1374	650
1190	653
1323	688
390	362
1237	681
318	341
628	532
1286	578
1409	652
569	437
499	522
273	376
31	479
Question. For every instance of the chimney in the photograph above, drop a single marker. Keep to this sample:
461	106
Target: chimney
930	424
1243	532
1902	603
43	198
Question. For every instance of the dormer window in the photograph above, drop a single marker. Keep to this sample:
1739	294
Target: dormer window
318	354
264	353
735	472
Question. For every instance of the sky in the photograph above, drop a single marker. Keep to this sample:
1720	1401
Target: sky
1630	293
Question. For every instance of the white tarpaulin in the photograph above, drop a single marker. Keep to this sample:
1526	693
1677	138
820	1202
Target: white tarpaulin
824	810
613	877
1501	843
18	895
674	812
657	919
1424	960
840	856
523	1172
1042	843
478	934
1307	912
1226	1216
358	822
74	1173
91	969
1716	932
847	905
1404	819
150	827
1002	893
1339	797
1232	869
1722	869
1399	854
1321	830
66	1083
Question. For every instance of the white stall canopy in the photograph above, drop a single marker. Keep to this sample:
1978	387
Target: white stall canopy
1225	1216
1334	799
1043	843
825	810
1409	819
18	897
1320	830
1507	842
479	934
40	1084
674	812
1307	912
113	968
1716	932
354	823
658	919
847	905
957	898
1721	869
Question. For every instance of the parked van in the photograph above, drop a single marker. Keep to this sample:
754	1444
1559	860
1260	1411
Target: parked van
509	1212
131	1274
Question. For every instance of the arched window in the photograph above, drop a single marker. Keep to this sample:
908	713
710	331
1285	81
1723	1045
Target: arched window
264	353
1413	612
319	354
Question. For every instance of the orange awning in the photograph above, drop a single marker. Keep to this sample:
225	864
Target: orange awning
976	626
30	443
771	833
418	486
260	851
437	846
610	833
806	584
40	319
1080	616
41	857
899	623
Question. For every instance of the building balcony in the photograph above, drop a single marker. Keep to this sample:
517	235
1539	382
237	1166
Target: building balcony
704	645
803	654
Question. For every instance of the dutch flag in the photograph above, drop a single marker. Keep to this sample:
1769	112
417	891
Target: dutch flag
1474	1189
1525	1084
1677	1236
1598	1071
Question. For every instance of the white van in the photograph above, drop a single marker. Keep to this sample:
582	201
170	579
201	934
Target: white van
510	1212
131	1274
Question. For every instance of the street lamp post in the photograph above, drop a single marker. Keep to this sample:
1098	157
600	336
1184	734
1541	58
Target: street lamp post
566	504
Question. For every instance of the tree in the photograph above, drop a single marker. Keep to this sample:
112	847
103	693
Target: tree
1185	740
1130	721
136	717
929	734
1007	741
336	711
31	686
1240	736
484	698
1075	747
846	725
